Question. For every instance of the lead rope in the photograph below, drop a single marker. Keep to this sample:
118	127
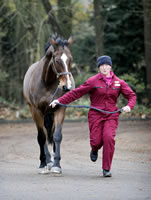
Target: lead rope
82	106
90	107
54	94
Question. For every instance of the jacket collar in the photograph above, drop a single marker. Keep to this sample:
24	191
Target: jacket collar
101	76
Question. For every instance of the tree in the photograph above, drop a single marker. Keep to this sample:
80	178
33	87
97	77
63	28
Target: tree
121	40
99	30
65	17
61	23
24	33
147	42
52	18
7	35
19	34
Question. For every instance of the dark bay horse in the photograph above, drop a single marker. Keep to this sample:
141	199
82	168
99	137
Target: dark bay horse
40	83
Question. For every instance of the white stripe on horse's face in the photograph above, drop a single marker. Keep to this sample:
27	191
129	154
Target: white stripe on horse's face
64	59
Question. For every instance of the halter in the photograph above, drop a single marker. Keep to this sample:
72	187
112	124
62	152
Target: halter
57	73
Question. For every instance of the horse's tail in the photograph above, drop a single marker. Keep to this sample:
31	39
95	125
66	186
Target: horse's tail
48	123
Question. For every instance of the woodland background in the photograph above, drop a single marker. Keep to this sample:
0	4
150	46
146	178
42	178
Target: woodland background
119	28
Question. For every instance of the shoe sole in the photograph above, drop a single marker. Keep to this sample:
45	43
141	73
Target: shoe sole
107	175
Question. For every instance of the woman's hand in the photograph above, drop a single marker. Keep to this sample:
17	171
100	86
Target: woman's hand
126	109
54	103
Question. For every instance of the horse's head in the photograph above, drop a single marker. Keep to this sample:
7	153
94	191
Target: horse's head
61	62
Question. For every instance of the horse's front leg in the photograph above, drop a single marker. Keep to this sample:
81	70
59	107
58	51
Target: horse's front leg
41	138
45	157
57	137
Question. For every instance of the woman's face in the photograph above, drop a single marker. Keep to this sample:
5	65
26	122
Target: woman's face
105	69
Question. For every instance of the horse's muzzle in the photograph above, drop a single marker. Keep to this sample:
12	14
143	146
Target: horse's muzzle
65	89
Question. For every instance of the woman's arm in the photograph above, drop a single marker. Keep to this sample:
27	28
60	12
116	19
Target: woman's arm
73	94
130	95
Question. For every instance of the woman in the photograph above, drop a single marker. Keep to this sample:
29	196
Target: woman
104	89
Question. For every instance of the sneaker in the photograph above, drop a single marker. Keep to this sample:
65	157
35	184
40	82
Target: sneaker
107	173
93	155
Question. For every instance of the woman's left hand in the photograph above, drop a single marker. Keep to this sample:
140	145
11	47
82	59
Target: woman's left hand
126	109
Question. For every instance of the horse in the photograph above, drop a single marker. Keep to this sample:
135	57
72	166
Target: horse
42	78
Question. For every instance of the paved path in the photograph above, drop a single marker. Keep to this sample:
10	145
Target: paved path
81	179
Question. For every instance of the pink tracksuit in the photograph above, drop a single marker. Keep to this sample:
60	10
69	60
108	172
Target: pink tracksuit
102	126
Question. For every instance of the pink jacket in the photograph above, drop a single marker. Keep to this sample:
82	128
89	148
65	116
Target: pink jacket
101	95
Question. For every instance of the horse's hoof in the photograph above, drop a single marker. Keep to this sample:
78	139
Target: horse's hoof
46	169
42	165
56	170
49	165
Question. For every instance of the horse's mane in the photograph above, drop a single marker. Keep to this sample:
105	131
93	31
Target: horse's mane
47	58
61	42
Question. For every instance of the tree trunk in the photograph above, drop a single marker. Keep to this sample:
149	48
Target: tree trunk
51	17
99	30
147	35
65	17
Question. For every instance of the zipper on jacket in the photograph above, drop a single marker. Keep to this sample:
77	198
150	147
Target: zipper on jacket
106	94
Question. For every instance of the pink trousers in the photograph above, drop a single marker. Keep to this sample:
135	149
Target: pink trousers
102	133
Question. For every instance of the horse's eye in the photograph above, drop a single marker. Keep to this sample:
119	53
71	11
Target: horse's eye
58	61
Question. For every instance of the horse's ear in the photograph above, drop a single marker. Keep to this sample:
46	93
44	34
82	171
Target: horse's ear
52	41
70	40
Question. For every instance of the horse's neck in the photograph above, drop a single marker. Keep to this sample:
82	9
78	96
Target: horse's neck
48	75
